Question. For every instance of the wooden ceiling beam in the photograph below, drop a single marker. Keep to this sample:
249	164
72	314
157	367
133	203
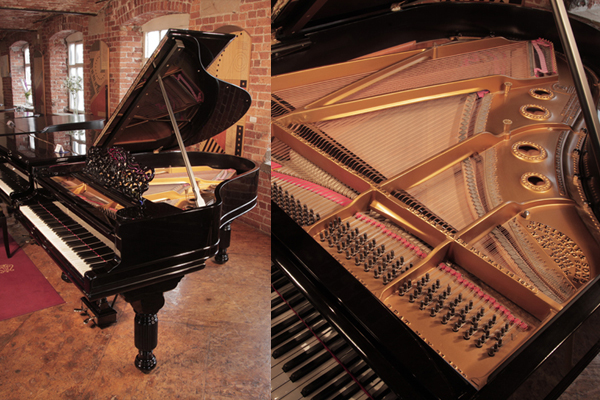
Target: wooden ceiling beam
23	9
16	30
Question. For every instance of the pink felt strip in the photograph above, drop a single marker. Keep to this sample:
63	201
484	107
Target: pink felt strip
391	234
478	291
313	187
536	46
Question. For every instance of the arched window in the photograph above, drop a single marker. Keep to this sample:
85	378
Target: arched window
155	29
75	68
20	73
27	63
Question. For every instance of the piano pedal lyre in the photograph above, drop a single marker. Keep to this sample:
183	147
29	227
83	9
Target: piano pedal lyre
99	313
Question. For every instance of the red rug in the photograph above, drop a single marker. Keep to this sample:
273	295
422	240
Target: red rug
23	288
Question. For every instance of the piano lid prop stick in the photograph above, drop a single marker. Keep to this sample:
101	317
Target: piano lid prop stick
582	87
186	160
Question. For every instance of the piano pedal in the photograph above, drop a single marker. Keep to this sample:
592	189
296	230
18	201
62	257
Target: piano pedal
99	313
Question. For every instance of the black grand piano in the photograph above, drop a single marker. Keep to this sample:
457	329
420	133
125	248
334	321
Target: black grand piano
413	258
129	211
28	139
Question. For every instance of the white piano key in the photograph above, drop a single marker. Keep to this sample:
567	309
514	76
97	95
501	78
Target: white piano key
76	261
5	188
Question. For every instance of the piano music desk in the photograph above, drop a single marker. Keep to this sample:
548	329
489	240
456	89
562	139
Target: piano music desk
214	331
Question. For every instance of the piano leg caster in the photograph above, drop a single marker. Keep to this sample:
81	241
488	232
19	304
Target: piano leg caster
224	240
146	303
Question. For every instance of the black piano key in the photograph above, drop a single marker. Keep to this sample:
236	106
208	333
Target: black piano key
69	230
343	381
292	302
351	390
276	273
335	386
88	255
279	283
84	247
285	295
302	311
333	342
329	375
384	393
87	246
318	361
277	340
285	348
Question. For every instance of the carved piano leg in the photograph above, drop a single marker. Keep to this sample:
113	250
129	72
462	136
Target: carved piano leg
225	239
146	303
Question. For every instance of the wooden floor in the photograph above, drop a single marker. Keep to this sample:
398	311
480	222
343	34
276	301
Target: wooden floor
214	337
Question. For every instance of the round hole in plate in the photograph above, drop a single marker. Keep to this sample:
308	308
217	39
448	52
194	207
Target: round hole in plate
536	182
535	112
529	151
541	93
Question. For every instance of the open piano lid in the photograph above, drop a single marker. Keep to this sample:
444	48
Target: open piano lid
290	17
19	123
203	105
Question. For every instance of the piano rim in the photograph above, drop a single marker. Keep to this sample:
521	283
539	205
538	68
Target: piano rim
535	354
187	263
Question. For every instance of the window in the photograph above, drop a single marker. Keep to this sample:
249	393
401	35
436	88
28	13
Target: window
27	71
76	70
155	29
152	40
78	142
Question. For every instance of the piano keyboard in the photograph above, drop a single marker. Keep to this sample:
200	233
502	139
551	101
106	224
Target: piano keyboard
11	179
302	364
79	243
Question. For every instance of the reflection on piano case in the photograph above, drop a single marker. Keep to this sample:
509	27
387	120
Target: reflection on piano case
132	217
434	201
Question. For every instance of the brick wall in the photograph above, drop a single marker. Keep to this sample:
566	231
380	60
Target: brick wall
53	47
119	26
12	45
254	17
55	73
17	68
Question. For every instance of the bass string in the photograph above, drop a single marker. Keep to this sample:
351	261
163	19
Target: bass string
392	140
445	195
511	60
302	95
